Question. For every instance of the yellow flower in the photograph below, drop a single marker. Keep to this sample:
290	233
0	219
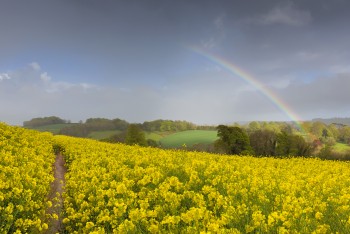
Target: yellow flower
318	215
89	225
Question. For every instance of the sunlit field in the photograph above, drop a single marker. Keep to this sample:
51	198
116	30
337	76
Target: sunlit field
130	189
119	188
26	159
189	138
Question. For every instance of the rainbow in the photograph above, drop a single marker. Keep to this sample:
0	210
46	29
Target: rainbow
250	79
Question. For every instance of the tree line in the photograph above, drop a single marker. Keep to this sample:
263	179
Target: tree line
83	129
255	138
38	122
261	142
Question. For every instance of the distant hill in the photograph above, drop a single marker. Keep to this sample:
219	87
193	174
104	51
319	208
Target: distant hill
53	128
44	121
345	121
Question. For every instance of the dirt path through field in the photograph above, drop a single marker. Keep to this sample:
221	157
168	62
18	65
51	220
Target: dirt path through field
57	201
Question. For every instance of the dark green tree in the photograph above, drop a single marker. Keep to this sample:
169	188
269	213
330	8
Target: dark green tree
299	147
292	145
232	140
135	136
263	142
37	122
283	144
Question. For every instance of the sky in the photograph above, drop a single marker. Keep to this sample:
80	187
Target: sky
157	59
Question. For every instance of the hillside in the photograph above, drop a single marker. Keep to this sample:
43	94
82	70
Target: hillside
345	121
53	128
120	188
189	138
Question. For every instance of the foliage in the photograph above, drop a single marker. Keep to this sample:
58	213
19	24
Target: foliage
53	128
77	130
341	147
94	125
263	142
37	122
131	189
26	159
344	135
232	140
135	136
116	138
152	143
292	145
342	121
98	135
167	125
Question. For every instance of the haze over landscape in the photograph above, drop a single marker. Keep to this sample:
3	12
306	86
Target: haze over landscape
146	60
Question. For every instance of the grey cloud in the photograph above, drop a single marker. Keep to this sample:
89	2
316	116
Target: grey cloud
113	58
287	14
21	100
327	94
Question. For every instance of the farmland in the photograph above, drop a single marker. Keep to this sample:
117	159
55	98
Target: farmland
189	138
53	128
129	188
26	159
119	188
98	135
341	148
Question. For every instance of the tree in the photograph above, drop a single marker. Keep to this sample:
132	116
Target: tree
283	144
37	122
120	124
299	147
135	136
253	126
76	130
334	130
116	138
232	140
263	142
292	145
317	129
344	134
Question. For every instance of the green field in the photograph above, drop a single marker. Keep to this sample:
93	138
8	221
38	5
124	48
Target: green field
98	135
341	147
153	136
189	138
54	128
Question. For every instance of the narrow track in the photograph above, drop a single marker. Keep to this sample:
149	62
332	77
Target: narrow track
57	201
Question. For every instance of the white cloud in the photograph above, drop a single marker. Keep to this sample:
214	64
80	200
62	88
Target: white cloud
286	14
45	77
35	66
209	97
4	76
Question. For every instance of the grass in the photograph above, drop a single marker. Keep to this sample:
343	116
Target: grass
153	136
189	138
53	128
98	135
341	148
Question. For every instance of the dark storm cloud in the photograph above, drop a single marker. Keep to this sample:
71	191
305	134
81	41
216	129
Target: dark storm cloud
137	54
323	95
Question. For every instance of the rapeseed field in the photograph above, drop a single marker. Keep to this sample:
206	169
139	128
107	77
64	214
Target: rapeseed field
26	159
114	188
